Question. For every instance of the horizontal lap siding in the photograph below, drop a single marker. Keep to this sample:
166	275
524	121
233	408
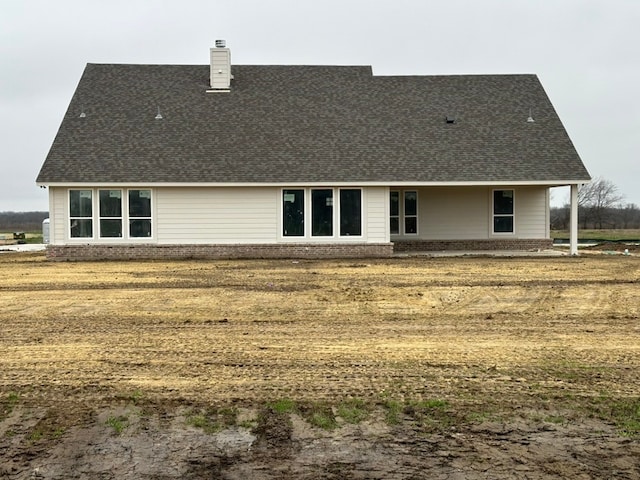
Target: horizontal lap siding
531	213
216	215
58	216
377	214
453	213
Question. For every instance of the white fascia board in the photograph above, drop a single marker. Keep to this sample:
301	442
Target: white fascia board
550	183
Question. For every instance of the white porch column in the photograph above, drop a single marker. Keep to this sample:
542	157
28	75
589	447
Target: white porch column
573	222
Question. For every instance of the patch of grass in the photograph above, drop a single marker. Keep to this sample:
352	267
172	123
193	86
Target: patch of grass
393	411
204	422
353	410
604	234
626	414
212	420
136	396
35	436
431	414
321	416
479	417
118	423
557	419
8	404
284	405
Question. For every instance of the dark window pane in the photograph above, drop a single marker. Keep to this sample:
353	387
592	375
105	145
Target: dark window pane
110	228
293	213
140	228
322	213
140	203
394	204
81	228
80	203
503	224
503	202
410	225
110	203
410	203
350	212
394	225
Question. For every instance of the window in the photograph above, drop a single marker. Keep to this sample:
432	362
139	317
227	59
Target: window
411	212
139	213
331	210
322	213
80	214
503	211
394	212
403	212
110	213
293	213
350	212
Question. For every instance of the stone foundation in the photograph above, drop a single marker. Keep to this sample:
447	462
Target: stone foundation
472	245
152	252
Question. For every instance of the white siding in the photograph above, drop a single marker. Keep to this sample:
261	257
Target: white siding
453	213
58	215
464	213
531	213
376	214
216	215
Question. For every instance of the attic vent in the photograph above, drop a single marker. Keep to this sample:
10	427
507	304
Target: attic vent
450	119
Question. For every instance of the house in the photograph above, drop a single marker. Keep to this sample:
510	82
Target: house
225	160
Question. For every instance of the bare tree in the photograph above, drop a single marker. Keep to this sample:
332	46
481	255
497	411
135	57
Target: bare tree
629	215
597	199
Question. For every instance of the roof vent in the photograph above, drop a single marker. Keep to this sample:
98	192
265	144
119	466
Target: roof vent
530	118
221	44
450	119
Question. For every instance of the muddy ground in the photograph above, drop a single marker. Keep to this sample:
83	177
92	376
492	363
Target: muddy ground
406	368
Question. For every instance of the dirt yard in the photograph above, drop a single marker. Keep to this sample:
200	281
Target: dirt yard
439	368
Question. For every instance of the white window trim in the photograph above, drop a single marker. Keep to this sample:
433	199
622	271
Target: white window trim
494	215
308	219
402	227
69	217
95	218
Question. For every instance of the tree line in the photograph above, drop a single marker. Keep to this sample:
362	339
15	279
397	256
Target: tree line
22	221
600	205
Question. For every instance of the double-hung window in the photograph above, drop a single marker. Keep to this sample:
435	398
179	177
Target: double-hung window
80	213
139	213
110	213
503	211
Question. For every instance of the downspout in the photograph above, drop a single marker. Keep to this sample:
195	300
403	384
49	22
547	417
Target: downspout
573	222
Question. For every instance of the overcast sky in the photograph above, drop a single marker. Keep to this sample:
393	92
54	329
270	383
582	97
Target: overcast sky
584	51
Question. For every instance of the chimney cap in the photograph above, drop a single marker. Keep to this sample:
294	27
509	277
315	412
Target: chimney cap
221	44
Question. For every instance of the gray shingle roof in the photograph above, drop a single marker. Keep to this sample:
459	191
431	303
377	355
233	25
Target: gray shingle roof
329	124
